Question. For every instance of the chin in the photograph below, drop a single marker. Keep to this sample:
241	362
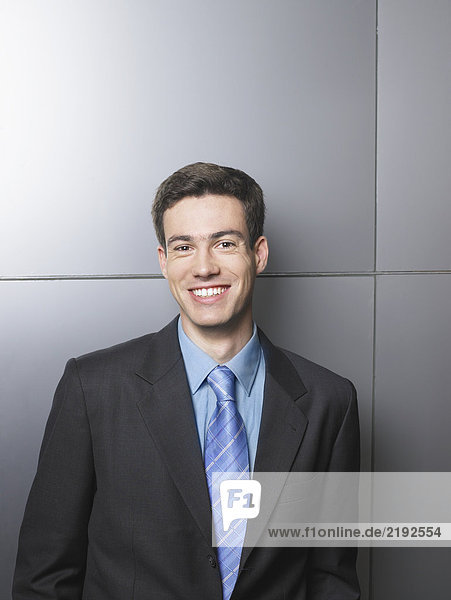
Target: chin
210	323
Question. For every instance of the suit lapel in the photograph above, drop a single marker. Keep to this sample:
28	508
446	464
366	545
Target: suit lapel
282	428
283	423
168	413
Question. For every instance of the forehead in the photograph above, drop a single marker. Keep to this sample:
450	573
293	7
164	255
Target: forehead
204	214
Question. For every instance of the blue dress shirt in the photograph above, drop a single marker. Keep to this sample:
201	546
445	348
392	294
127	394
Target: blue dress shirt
248	367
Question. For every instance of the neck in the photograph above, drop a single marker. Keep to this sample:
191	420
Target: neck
221	344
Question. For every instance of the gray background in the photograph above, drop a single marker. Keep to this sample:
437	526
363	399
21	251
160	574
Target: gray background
339	108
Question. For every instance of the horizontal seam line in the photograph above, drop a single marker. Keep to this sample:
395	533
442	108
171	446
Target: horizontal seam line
275	274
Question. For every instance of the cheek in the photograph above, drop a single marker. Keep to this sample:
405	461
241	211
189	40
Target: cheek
242	266
175	271
247	272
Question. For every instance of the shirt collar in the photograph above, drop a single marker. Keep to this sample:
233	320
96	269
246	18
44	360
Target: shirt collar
198	363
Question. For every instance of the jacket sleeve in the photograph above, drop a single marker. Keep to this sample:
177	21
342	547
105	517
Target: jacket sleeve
53	539
332	570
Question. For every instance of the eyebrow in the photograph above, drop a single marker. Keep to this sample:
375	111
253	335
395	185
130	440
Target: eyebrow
212	236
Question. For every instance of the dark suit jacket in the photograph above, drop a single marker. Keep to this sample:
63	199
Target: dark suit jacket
119	508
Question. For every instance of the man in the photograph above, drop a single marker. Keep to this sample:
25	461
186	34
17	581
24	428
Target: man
121	504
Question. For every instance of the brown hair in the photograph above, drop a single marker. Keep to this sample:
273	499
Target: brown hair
200	179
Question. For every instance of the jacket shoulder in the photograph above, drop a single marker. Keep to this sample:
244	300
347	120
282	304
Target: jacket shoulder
130	350
150	356
330	405
317	378
291	367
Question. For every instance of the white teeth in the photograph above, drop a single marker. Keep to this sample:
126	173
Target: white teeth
204	292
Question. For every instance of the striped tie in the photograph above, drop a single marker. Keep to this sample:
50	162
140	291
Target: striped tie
226	452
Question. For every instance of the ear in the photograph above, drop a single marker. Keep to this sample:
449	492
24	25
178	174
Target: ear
261	253
163	259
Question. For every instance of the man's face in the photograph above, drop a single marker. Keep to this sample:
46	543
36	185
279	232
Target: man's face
209	265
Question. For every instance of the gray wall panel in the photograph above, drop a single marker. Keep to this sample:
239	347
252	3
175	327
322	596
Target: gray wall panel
413	376
45	323
327	320
413	334
102	100
414	134
412	415
411	573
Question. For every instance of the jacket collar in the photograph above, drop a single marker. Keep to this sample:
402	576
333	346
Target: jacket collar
162	355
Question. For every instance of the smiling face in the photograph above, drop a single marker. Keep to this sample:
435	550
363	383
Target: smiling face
209	265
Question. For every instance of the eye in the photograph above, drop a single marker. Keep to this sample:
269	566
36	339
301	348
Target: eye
183	248
226	245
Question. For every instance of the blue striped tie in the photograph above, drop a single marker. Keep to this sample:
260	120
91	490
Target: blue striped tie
226	452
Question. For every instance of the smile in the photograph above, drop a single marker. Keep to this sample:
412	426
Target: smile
211	291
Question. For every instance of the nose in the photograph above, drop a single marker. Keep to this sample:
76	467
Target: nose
205	263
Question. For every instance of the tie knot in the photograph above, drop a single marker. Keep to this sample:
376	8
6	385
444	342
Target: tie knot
222	380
